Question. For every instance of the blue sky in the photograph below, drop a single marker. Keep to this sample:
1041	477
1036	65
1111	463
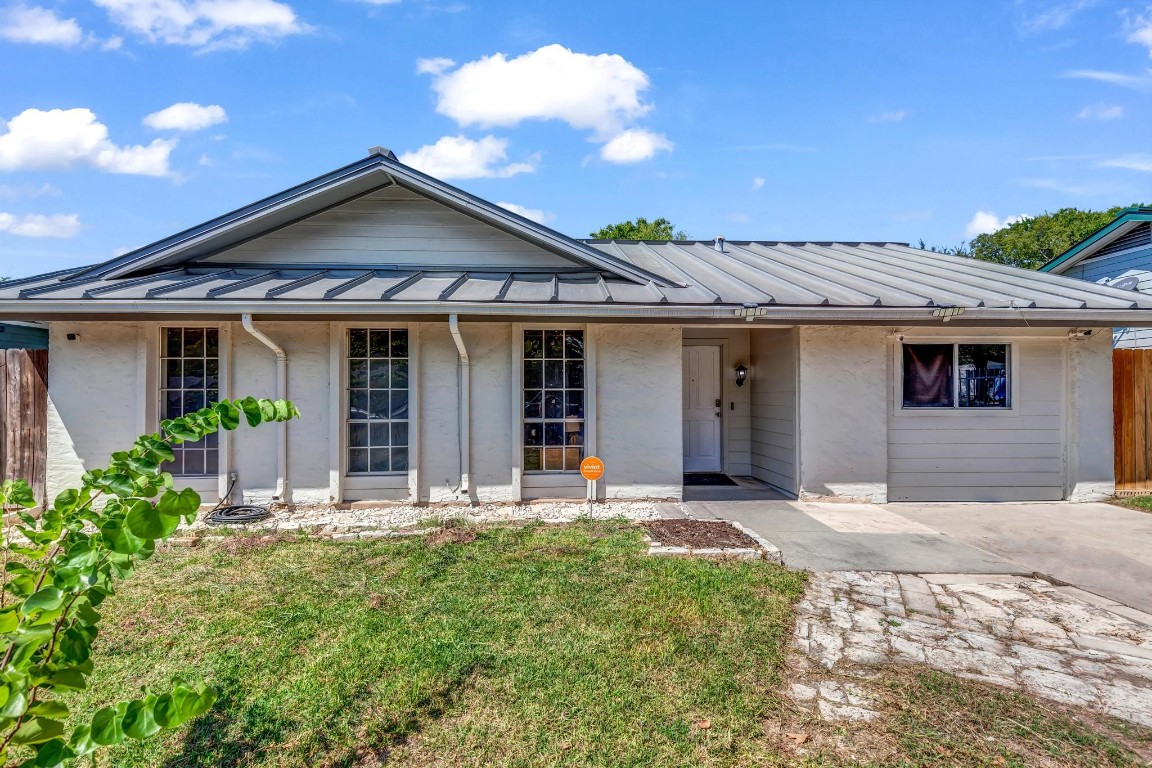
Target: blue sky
122	121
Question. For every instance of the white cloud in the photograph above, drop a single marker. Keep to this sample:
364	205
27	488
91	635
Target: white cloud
534	214
186	116
32	24
39	225
588	92
986	222
206	24
635	145
1137	161
61	139
1055	16
1140	30
1101	111
1137	82
894	116
434	66
757	183
458	157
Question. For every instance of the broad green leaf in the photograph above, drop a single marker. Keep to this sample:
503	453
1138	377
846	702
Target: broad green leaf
173	504
81	741
66	578
68	679
53	754
38	730
106	727
14	706
75	646
119	484
139	722
19	492
283	410
147	522
166	712
47	599
86	615
267	409
119	538
229	415
52	709
143	466
161	449
251	409
9	620
193	701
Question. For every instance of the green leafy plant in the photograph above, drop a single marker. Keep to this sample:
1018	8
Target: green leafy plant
60	566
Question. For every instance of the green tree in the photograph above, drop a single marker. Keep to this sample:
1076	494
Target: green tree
1031	243
641	229
59	568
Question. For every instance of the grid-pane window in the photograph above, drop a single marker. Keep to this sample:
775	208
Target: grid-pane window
554	390
378	417
956	376
190	380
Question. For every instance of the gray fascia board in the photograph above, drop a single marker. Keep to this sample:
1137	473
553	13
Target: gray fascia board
990	317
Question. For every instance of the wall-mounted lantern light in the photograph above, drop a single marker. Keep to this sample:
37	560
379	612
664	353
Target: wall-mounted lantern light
741	374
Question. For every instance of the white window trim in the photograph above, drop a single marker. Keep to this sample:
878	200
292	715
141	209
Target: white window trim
570	477
148	396
1011	411
338	478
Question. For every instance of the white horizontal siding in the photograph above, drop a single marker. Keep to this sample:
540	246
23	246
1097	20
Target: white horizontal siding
393	226
773	407
984	455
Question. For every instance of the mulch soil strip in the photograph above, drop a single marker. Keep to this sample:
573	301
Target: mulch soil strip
698	534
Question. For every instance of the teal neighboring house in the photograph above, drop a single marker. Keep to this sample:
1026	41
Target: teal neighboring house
1119	255
23	336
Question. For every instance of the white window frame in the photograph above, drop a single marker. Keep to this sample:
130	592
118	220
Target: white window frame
341	484
555	478
1013	369
149	352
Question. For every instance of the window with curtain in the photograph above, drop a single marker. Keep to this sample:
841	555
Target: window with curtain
377	420
553	400
190	380
956	376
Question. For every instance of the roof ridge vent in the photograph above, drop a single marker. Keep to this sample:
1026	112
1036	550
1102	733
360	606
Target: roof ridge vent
719	244
382	151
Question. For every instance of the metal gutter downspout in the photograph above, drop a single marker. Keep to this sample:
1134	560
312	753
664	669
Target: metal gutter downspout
281	494
465	389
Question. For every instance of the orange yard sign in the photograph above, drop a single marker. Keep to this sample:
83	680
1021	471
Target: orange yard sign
592	468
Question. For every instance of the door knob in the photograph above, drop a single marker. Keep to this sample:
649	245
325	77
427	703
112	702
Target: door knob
717	414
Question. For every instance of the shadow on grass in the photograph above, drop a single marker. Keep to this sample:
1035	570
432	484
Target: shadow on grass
234	730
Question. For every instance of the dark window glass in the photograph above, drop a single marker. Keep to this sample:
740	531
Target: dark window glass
983	375
928	375
377	400
553	400
190	367
962	375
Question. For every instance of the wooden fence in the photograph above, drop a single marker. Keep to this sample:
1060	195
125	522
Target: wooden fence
24	416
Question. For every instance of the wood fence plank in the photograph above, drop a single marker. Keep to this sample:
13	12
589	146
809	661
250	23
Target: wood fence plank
24	417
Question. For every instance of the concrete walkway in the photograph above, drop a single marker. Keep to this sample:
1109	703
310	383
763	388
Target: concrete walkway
839	537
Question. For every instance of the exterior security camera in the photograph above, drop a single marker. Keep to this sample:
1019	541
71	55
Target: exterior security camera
1081	333
72	337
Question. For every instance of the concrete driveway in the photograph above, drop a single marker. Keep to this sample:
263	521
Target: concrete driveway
1101	548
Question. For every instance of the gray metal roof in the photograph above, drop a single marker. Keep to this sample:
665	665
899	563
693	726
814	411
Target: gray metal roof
684	273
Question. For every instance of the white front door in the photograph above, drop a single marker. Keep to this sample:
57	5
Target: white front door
702	409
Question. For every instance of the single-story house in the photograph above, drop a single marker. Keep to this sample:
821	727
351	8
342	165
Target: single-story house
444	349
1119	254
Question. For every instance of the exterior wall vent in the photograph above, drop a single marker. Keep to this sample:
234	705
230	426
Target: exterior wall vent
719	244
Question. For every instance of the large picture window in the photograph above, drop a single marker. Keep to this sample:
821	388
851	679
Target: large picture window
554	390
956	376
377	420
190	380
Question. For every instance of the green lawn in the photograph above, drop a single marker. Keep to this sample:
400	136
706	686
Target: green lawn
533	646
1142	503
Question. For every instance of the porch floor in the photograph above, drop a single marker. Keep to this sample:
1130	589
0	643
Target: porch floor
746	489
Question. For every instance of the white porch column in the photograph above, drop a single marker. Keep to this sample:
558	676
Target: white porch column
1090	467
843	425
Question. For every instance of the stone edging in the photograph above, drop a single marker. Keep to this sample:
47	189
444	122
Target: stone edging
765	551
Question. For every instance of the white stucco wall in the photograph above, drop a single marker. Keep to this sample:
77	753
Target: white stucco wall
93	408
843	412
640	421
1091	469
